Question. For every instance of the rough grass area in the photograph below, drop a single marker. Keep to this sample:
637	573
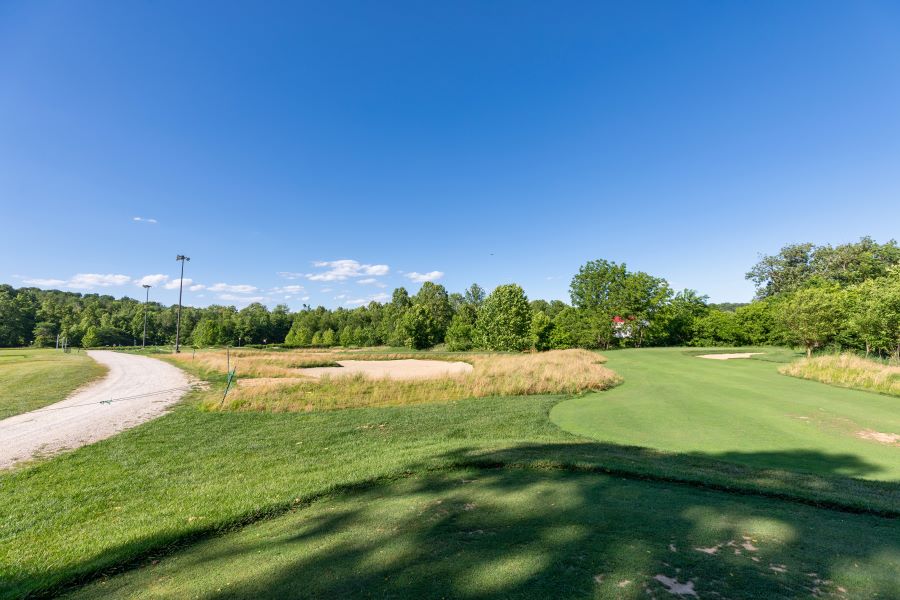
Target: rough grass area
848	370
741	411
33	378
284	389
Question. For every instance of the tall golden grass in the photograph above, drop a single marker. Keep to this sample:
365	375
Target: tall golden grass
848	370
280	386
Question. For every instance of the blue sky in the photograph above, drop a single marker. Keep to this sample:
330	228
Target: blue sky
328	152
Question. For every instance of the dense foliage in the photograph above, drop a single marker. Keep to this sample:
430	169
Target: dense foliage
842	297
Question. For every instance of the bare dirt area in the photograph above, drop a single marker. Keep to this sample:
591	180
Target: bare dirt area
392	369
730	356
135	389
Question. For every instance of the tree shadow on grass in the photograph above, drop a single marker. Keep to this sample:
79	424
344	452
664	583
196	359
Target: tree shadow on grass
579	466
478	533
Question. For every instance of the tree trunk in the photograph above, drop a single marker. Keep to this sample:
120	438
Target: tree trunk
809	350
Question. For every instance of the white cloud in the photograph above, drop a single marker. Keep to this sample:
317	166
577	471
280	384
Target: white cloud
245	299
339	270
370	281
423	277
380	297
287	289
305	298
173	285
83	281
238	289
290	275
197	287
143	220
87	281
152	280
45	282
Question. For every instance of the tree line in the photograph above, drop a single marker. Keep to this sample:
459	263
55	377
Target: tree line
846	296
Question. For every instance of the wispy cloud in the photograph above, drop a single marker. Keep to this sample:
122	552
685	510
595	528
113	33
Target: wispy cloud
290	275
45	282
380	297
340	270
144	220
371	281
423	277
83	281
287	289
240	299
241	288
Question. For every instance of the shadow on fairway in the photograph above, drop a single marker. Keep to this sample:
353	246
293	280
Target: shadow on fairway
550	521
475	533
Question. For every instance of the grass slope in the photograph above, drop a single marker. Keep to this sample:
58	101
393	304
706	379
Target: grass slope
501	533
193	475
741	411
33	378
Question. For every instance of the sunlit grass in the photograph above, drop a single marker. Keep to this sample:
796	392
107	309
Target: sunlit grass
32	378
848	370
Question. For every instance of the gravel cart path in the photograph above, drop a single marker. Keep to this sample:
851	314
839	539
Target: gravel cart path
136	389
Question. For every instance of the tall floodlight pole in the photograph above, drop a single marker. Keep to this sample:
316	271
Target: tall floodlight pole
146	300
182	258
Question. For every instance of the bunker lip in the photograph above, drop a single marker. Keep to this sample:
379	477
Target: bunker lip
730	356
392	369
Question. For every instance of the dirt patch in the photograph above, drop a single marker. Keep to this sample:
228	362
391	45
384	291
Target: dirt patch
392	369
729	356
673	586
891	439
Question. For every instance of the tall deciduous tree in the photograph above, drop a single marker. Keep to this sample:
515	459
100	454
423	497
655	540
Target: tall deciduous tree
813	315
504	321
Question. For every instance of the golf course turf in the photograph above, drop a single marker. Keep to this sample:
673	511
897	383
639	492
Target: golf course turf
741	411
374	501
31	378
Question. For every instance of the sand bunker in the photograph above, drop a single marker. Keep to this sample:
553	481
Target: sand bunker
392	369
730	356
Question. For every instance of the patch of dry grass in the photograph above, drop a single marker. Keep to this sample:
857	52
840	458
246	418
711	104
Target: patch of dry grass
272	381
848	370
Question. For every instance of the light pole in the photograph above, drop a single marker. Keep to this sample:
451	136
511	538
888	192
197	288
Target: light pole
182	258
147	299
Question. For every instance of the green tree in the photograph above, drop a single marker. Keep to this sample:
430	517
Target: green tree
91	338
784	272
812	315
504	320
475	295
328	338
459	335
541	330
417	327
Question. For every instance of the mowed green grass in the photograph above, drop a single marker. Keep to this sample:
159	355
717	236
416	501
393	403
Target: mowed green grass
741	411
33	378
170	487
514	534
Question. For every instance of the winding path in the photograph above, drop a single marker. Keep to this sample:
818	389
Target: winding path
136	389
